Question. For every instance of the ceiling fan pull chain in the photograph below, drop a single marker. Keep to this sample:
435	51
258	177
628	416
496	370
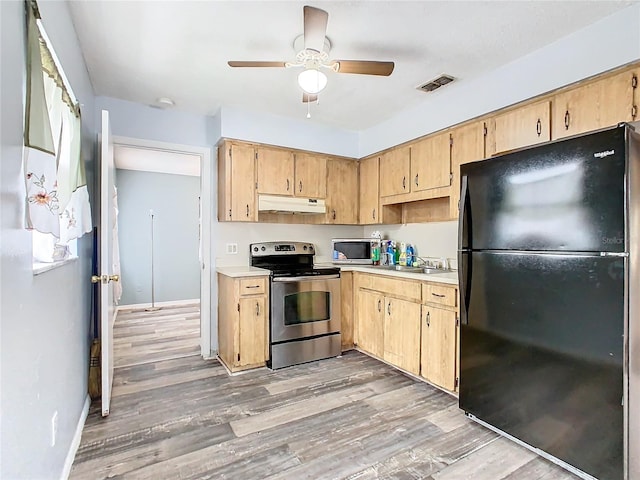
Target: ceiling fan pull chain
308	109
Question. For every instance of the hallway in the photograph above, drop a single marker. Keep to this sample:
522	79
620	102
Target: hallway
143	337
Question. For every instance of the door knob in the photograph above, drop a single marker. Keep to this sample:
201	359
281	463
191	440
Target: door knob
105	278
114	278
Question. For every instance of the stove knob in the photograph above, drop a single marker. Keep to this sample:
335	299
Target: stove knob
293	247
305	247
255	249
263	248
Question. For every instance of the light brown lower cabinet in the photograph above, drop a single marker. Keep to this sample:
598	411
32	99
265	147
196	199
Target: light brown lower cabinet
417	333
370	333
346	310
402	334
438	352
243	340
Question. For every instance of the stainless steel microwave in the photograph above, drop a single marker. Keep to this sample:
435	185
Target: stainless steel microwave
352	251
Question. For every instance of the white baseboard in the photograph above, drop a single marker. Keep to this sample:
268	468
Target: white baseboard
75	442
159	304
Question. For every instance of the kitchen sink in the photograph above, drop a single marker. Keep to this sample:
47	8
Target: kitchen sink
404	268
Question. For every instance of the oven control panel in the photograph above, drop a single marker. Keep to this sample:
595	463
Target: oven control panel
281	248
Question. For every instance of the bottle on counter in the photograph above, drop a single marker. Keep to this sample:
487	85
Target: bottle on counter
396	254
402	259
409	255
375	252
390	255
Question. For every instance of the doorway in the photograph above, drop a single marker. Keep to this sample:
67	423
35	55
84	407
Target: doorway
164	198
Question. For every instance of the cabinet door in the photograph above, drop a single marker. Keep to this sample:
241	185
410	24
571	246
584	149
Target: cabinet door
468	146
402	334
252	331
438	353
310	175
523	127
616	99
275	171
346	310
342	192
370	322
243	192
431	163
395	169
369	192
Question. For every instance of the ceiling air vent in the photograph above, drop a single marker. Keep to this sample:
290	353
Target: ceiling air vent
436	83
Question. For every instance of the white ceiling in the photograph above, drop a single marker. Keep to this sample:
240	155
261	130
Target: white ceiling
143	50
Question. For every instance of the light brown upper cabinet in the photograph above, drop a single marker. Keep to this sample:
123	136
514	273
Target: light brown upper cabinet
468	145
431	162
236	183
311	175
342	192
598	104
522	127
275	171
369	191
395	170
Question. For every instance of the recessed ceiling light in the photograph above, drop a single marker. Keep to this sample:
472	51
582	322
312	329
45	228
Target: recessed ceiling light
165	102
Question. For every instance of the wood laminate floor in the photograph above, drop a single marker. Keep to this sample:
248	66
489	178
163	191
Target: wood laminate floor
343	418
171	332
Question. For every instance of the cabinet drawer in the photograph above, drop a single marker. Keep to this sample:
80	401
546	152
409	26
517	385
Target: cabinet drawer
391	286
439	294
253	286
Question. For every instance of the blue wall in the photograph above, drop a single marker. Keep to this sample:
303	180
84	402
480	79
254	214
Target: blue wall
174	201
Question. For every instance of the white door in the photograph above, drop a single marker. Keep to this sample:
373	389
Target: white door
107	222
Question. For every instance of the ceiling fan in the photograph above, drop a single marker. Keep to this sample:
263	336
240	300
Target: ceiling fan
313	49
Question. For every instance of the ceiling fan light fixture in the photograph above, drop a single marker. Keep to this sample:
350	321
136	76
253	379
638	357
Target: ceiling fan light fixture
312	80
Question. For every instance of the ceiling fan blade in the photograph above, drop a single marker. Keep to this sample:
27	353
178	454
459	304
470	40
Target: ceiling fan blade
256	64
308	97
363	67
315	28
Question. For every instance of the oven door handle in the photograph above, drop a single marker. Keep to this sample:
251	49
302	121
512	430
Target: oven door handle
306	278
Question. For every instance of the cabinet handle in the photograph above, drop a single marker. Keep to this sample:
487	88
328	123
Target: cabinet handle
404	183
379	305
300	185
257	309
416	179
334	214
229	214
539	127
389	308
373	213
247	210
252	286
437	295
567	120
428	319
287	184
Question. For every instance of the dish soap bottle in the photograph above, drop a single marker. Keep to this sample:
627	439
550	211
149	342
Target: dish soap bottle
403	255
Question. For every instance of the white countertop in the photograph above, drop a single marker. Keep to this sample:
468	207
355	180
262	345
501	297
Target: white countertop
450	278
243	271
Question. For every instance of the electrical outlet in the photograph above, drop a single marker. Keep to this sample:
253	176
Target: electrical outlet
54	428
232	248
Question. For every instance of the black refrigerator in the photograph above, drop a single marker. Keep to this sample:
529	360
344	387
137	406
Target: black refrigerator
547	239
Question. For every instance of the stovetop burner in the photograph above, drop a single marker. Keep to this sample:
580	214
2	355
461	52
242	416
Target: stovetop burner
287	259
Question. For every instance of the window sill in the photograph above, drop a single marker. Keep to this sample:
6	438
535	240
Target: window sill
39	268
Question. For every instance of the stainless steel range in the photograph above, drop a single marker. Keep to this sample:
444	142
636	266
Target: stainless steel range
304	303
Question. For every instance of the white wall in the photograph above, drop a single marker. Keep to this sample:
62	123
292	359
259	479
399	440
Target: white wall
438	239
611	42
45	319
275	130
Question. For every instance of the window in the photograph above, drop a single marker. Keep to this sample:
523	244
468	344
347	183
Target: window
57	199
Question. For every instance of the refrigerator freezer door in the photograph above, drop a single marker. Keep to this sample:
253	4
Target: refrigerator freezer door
567	195
542	352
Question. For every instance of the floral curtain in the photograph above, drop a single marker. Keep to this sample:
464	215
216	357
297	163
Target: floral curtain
57	196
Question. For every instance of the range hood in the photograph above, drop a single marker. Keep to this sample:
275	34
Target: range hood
276	204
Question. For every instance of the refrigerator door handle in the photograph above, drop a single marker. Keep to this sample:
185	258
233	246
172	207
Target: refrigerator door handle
464	281
463	211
